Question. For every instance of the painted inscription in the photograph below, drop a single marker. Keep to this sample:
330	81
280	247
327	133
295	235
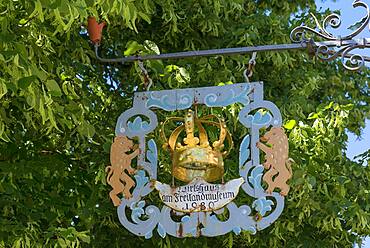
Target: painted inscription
199	195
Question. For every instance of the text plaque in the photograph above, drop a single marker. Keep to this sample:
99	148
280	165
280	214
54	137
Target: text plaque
199	195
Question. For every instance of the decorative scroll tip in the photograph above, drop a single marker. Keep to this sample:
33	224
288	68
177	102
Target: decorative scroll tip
344	44
95	30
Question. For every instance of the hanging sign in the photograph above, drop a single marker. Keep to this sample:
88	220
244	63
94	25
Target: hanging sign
198	194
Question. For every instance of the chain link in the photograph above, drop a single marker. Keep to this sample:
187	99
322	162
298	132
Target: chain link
147	80
248	73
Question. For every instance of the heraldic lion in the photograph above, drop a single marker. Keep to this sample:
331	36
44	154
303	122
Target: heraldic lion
121	161
276	160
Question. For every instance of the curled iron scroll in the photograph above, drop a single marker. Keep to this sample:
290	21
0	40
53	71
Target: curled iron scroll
324	52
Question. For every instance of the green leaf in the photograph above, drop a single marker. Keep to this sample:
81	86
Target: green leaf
132	48
184	74
147	6
22	21
38	8
151	46
39	73
347	107
329	105
24	82
290	124
16	60
41	110
145	17
106	147
312	181
55	4
313	116
84	237
230	241
53	88
62	243
86	129
3	89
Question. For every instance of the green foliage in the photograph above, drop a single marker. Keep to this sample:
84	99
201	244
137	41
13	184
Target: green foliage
58	108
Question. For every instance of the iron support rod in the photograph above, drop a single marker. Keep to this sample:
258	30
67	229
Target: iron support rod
238	50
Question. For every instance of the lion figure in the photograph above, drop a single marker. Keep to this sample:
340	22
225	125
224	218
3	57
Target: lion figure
277	161
121	162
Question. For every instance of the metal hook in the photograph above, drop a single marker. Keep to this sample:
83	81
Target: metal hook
147	80
249	71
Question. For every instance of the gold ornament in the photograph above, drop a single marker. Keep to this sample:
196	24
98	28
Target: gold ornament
195	157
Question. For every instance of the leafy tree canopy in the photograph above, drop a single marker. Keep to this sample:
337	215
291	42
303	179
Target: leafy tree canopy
59	105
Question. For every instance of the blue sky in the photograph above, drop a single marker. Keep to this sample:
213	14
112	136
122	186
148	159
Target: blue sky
350	15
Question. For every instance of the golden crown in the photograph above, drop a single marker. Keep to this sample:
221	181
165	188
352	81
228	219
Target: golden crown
195	157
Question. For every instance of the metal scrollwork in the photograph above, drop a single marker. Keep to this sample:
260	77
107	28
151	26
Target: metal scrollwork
345	44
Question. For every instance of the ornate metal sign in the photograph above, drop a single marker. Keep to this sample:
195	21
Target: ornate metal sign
194	208
197	206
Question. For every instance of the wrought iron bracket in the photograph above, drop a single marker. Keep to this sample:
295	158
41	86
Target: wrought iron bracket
336	46
330	48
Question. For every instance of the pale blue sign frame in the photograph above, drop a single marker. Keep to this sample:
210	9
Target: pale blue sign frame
268	206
